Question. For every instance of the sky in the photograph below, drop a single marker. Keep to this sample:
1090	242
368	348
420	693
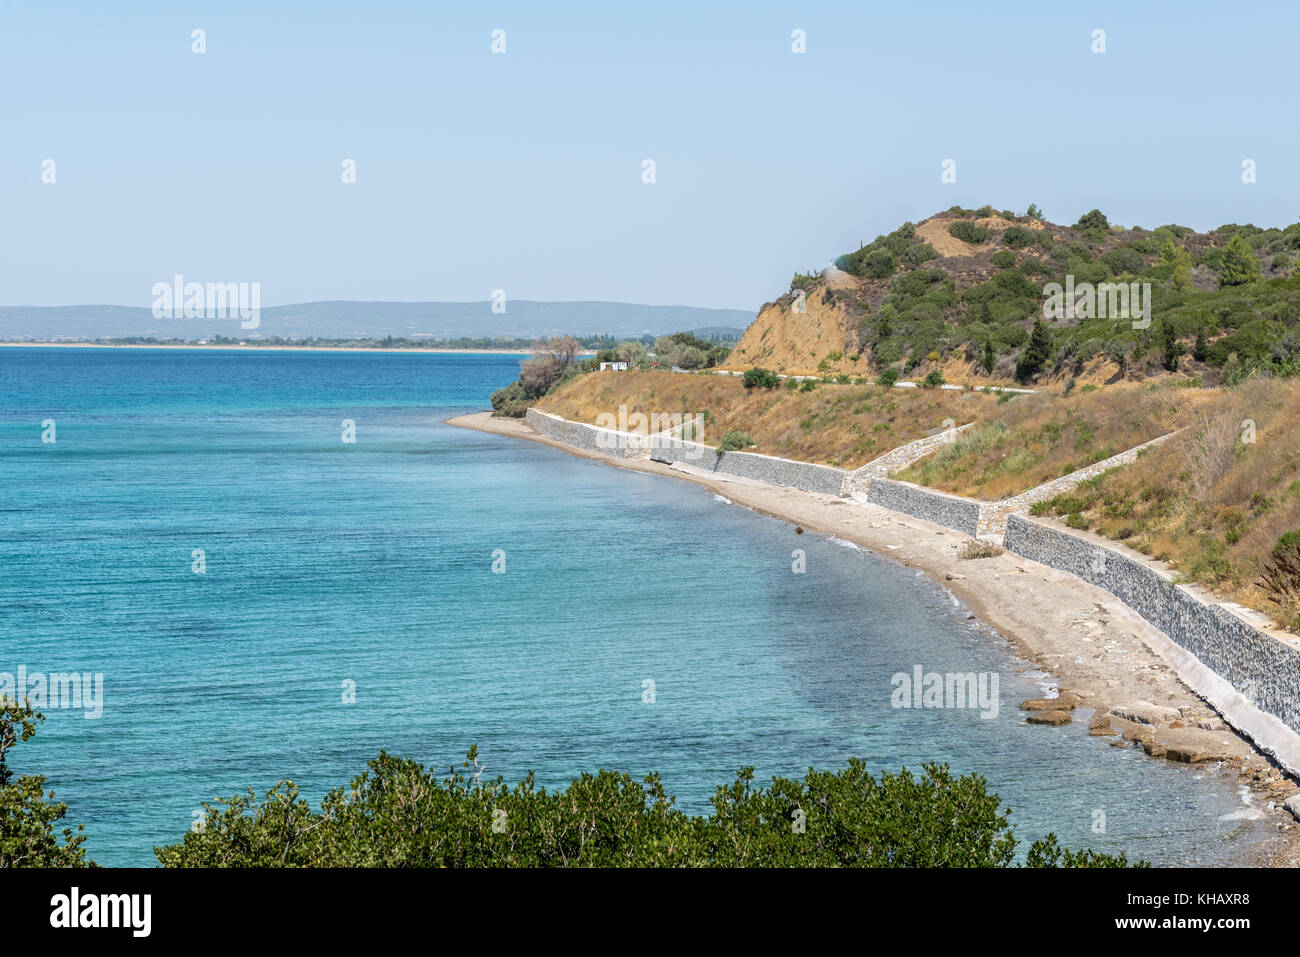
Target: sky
523	170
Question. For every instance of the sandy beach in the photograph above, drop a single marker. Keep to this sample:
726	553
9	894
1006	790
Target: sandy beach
1085	638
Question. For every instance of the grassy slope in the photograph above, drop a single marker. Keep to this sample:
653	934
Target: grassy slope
842	425
1037	438
1206	502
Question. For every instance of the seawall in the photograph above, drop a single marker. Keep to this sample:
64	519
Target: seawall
1257	667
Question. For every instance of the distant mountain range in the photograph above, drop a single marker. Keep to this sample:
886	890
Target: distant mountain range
523	318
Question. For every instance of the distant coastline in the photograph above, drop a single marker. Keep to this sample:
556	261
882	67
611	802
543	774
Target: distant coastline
252	348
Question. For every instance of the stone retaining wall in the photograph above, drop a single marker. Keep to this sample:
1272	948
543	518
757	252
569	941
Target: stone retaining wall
805	476
950	511
1264	668
859	481
590	438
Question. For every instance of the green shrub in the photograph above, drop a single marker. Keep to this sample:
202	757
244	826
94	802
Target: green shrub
1238	264
888	376
1003	259
399	814
29	813
919	253
879	264
734	441
758	378
513	401
933	378
968	232
1093	219
1017	237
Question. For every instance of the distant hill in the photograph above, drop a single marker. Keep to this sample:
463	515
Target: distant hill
961	292
523	318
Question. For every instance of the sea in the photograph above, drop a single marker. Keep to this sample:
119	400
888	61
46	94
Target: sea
279	563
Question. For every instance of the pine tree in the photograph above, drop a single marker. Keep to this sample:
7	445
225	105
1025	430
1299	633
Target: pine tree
1035	353
1170	341
1200	351
988	357
1239	263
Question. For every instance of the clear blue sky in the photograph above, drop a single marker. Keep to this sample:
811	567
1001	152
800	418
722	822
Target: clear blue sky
523	171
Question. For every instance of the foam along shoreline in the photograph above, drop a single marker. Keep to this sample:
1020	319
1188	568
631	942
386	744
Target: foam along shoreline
1087	639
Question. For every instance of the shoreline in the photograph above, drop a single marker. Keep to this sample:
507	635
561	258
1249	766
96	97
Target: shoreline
1050	618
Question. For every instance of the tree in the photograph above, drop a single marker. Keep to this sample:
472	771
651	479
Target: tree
759	378
1172	349
1180	260
1035	354
632	352
1239	264
1117	350
398	814
1034	212
1200	351
550	360
1093	219
989	357
27	814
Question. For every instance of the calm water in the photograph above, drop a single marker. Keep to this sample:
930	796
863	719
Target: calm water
370	562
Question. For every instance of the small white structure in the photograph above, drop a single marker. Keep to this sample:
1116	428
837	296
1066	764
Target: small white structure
616	366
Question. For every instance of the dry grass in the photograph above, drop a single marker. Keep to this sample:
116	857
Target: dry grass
977	549
1206	502
841	425
1037	438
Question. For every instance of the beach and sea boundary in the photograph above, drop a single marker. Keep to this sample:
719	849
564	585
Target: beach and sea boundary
1145	654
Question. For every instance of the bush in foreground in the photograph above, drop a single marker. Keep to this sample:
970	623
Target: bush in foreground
27	814
398	814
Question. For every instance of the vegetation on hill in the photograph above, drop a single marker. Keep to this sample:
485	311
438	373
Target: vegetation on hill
1220	501
1037	438
964	291
398	814
555	362
841	425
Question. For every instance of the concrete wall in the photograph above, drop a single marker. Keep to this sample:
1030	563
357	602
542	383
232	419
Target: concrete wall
950	511
1262	667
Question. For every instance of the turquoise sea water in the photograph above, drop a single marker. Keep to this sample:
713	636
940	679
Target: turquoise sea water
329	562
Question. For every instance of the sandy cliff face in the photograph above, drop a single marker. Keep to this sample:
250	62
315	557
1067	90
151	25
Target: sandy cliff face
785	339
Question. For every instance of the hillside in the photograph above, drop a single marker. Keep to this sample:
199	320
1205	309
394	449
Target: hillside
841	425
961	292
